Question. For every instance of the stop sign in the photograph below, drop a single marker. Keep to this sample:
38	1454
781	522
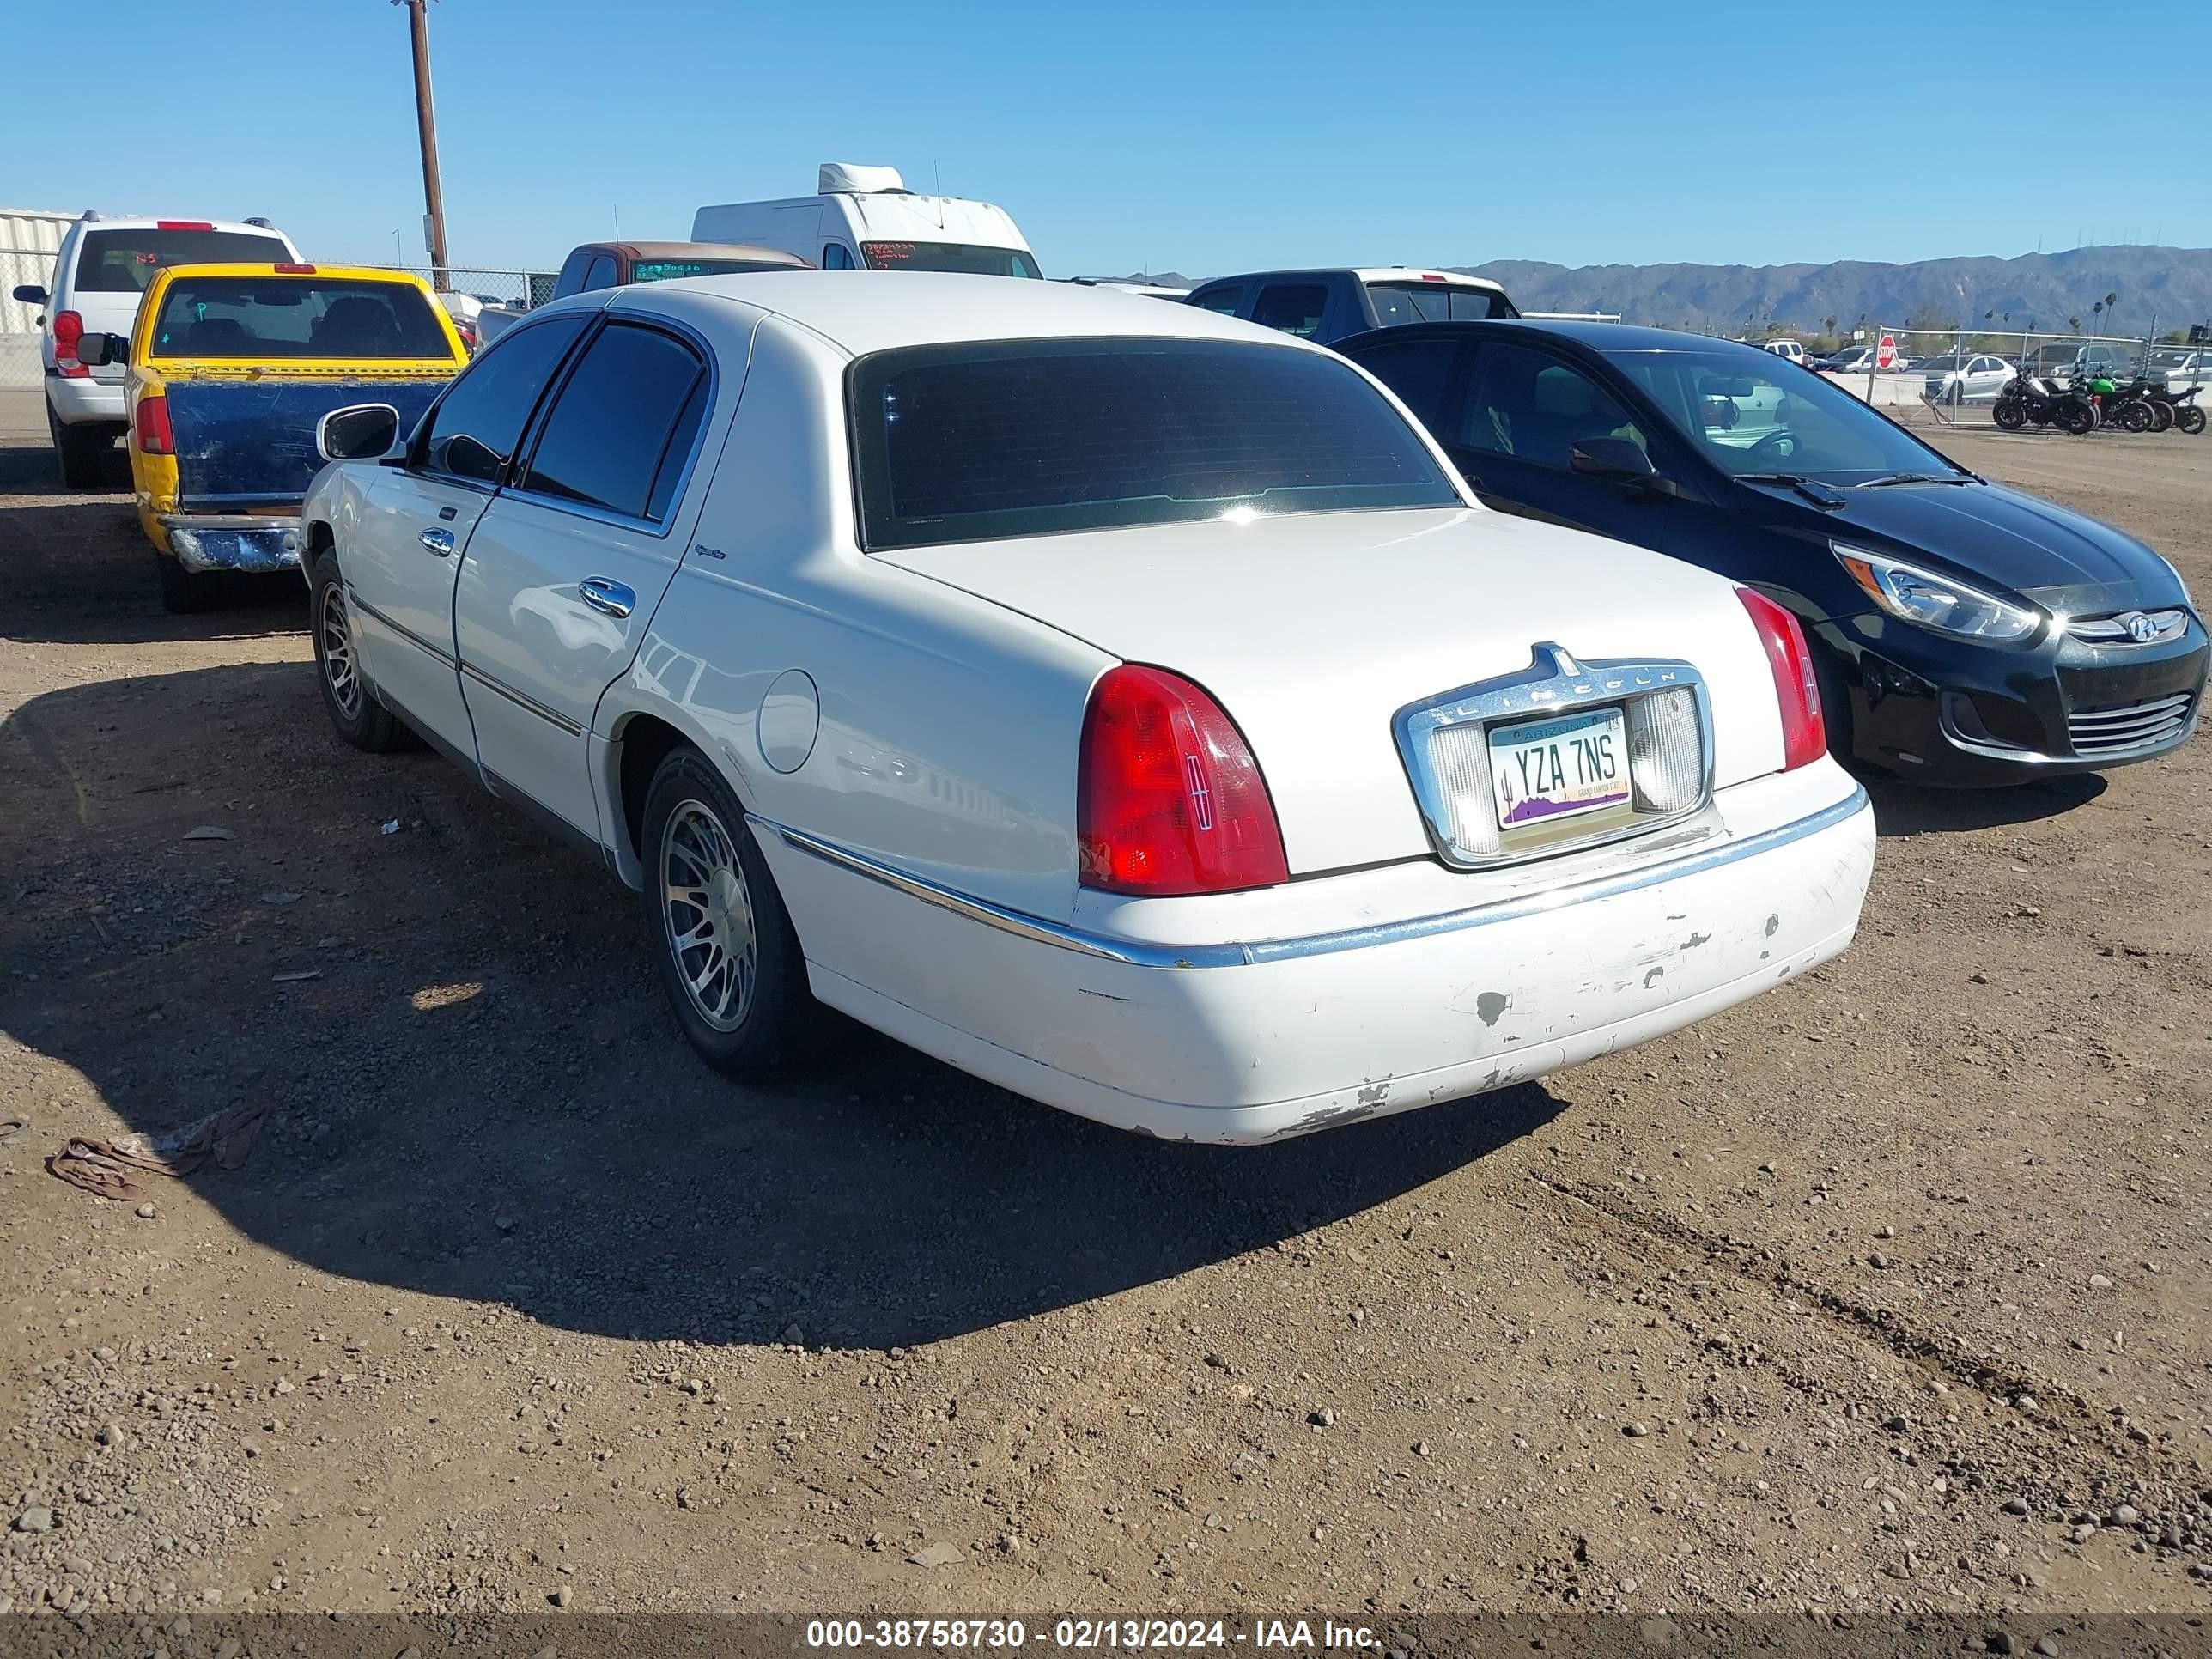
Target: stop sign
1885	354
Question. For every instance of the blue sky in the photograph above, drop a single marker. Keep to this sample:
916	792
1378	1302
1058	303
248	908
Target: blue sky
1203	137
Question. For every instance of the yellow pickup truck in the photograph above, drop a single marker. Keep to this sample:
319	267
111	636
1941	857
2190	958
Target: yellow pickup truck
231	369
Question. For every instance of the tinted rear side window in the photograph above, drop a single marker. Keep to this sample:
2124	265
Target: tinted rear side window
1294	308
124	261
267	317
472	431
628	415
1032	437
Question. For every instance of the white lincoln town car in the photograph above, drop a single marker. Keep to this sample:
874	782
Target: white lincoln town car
1121	702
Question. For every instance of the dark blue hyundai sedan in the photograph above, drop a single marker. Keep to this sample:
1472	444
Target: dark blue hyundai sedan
1965	633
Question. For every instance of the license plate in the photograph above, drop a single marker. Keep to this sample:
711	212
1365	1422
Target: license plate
1557	767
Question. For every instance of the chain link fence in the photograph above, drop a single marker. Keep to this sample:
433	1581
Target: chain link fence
496	285
1953	377
19	327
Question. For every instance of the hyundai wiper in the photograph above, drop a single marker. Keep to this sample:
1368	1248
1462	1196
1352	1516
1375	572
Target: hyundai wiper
1819	494
1917	478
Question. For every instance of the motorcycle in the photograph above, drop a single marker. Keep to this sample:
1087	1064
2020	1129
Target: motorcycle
2127	407
2026	397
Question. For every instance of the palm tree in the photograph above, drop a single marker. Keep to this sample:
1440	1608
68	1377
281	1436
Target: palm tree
2074	323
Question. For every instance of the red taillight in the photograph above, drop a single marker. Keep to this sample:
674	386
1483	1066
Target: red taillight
183	224
1168	800
1427	278
69	329
1804	734
149	424
296	270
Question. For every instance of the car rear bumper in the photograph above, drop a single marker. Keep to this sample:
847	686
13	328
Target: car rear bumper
1242	1040
232	541
83	402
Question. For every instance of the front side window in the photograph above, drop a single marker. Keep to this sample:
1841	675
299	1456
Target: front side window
1293	308
1018	438
471	432
835	258
1397	303
1533	407
623	426
1746	420
1223	301
125	261
266	317
950	256
601	273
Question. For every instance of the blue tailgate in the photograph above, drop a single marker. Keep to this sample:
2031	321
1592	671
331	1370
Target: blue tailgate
252	443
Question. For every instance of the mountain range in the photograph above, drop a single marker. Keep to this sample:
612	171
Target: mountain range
2170	287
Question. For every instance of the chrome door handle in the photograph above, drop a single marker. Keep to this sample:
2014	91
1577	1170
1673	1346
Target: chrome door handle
612	597
440	541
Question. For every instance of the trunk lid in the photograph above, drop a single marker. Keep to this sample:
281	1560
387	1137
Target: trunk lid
1313	630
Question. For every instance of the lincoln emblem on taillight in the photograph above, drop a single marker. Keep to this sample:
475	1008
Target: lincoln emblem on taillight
1201	798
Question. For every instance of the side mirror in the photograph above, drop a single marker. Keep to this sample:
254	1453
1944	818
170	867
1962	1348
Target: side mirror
93	350
30	294
1620	461
360	432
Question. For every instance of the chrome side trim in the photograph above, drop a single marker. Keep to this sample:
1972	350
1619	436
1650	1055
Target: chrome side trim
1240	954
354	600
519	701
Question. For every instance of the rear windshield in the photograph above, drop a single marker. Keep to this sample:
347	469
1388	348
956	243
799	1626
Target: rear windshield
670	271
949	256
1014	438
277	317
124	261
1435	302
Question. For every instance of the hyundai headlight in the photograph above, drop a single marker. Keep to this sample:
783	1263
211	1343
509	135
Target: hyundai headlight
1942	603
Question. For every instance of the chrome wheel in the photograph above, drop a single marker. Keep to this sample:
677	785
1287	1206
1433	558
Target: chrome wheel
335	637
707	911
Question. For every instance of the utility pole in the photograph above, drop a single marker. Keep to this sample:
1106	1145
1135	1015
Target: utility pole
426	121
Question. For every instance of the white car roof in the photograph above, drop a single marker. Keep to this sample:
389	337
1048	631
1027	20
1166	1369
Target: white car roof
1415	274
865	311
155	221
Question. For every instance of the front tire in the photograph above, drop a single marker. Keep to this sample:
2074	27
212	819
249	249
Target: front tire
351	702
2161	415
80	450
723	945
2009	413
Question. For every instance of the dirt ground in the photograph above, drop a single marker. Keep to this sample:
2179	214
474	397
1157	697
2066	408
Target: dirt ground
1887	1290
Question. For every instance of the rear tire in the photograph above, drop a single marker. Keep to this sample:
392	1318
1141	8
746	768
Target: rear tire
2134	416
183	593
2161	415
2189	420
81	452
356	716
723	945
2077	418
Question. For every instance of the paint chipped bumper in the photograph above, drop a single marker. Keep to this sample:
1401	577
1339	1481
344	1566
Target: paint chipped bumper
1413	1002
253	542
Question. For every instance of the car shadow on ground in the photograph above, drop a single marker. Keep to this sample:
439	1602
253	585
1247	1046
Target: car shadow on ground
1902	809
81	573
474	1090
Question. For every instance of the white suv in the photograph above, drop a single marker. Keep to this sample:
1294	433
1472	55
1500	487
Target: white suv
100	268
